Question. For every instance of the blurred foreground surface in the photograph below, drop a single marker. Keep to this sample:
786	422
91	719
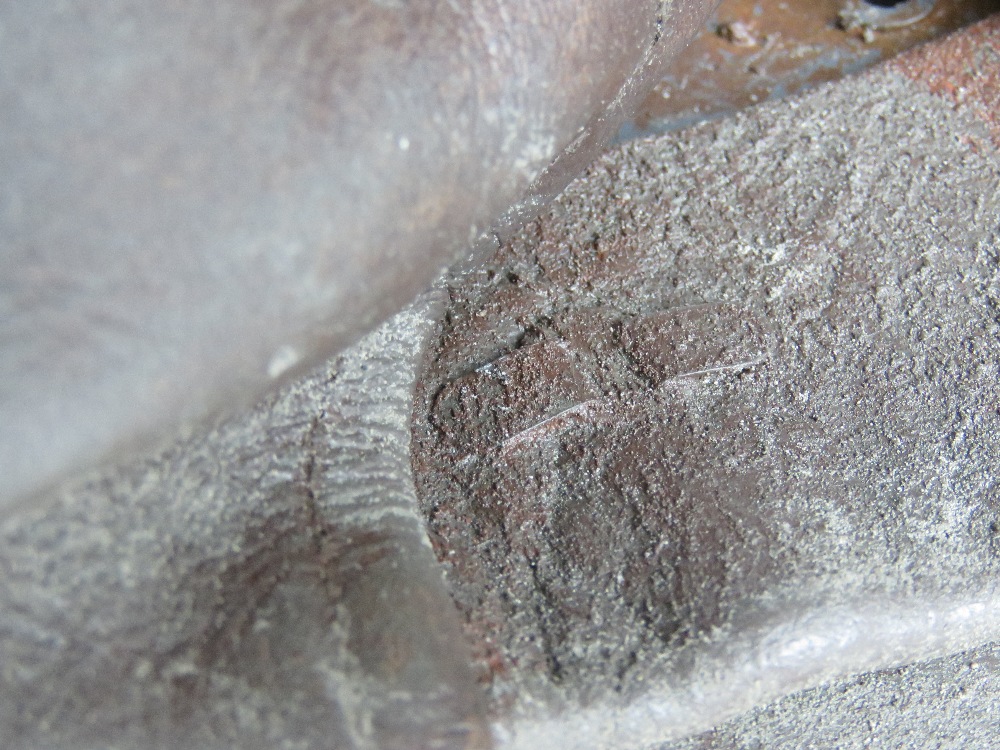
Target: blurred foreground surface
201	202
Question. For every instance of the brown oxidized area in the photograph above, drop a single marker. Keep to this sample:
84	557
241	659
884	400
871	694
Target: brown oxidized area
757	50
963	71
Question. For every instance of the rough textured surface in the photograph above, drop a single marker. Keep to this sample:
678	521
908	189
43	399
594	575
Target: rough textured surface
266	585
947	703
723	423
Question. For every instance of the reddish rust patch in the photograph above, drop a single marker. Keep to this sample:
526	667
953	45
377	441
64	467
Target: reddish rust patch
964	69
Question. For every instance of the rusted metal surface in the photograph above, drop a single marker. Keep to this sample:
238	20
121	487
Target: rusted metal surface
722	424
755	50
737	390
